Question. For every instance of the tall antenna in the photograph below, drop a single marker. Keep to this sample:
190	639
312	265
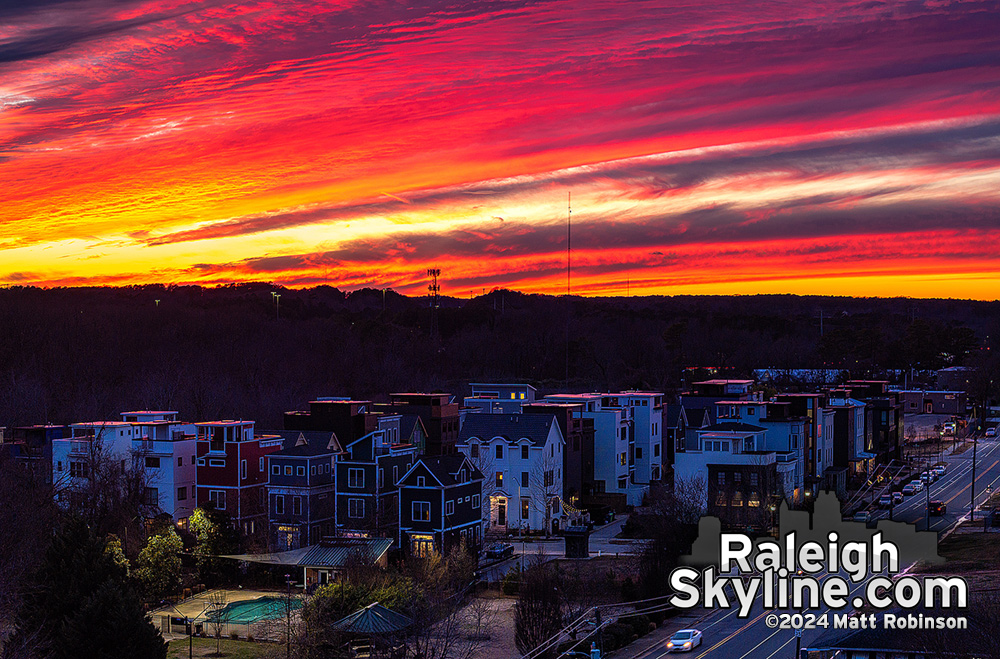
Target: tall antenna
433	287
569	254
569	227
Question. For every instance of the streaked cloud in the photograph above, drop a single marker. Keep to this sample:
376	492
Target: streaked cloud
360	143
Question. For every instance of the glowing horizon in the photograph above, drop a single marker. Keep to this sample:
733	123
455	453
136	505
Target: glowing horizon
817	148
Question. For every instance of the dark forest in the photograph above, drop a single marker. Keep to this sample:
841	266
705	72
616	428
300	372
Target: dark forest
71	354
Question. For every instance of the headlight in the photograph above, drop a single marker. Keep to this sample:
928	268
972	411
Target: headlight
687	644
670	644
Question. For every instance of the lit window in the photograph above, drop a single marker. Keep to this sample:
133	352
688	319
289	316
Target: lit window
525	507
499	479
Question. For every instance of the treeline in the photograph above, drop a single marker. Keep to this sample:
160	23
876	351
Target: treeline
71	354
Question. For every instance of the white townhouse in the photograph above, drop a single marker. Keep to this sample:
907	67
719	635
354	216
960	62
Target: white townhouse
521	457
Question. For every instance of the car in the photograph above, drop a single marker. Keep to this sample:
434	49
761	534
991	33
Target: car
938	508
897	497
684	641
862	516
909	489
917	484
940	470
928	477
885	501
499	550
991	432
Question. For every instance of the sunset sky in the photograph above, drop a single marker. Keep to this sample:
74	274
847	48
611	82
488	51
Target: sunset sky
842	147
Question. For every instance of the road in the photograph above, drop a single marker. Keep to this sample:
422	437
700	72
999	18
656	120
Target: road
727	636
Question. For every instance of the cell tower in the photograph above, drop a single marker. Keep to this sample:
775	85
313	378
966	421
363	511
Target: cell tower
433	287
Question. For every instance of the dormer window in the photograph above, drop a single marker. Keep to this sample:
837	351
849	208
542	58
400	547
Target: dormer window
465	476
421	481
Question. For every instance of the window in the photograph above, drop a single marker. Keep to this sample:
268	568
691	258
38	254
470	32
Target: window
550	478
78	469
180	462
473	450
193	460
300	471
737	499
216	463
395	474
622	459
722	478
59	465
182	494
475	500
356	508
656	450
752	411
276	470
449	507
356	478
499	451
296	505
524	452
421	481
421	511
381	478
638	453
243	469
737	477
499	479
260	465
524	479
552	451
151	496
279	504
753	479
201	462
288	470
312	470
217	497
525	507
622	483
464	476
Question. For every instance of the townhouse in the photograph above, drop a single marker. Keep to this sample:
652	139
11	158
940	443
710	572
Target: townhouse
440	506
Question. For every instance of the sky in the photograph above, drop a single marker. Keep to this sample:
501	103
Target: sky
830	148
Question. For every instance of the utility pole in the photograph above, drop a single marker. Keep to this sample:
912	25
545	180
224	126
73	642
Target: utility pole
972	504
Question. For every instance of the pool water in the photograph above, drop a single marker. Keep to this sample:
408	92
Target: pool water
262	608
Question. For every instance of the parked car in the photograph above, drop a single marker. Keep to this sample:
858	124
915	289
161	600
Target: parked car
897	497
909	489
684	641
938	508
862	516
499	550
885	501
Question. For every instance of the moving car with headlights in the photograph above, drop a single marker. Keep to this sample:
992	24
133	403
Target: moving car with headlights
897	497
885	501
918	485
684	641
909	489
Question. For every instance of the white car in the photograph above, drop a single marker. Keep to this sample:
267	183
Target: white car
684	641
991	432
917	484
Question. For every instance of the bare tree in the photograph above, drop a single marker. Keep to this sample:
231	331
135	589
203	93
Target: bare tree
218	616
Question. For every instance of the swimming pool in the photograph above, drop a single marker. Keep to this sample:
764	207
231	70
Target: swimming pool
247	611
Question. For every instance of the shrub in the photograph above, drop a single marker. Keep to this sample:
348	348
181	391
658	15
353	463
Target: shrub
233	635
511	583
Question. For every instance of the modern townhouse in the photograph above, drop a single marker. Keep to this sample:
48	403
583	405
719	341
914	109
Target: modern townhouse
440	506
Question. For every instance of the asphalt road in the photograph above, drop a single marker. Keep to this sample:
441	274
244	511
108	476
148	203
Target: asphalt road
727	636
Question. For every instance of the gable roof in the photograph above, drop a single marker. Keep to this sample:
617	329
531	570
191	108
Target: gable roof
512	427
697	417
671	415
407	423
445	467
307	442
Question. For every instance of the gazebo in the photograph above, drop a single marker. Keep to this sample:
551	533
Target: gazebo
372	624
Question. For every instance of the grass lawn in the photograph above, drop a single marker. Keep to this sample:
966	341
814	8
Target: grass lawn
205	647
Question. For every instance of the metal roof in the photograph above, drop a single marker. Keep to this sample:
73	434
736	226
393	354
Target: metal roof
373	619
328	554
